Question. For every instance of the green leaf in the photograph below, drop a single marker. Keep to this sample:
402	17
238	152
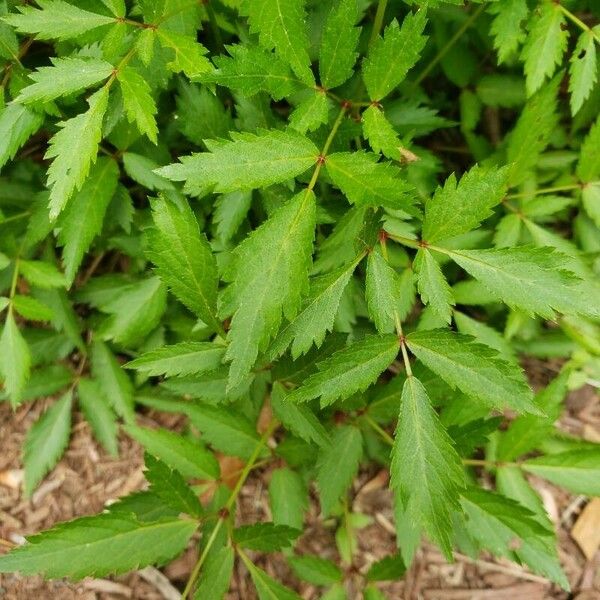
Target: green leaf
389	568
266	537
473	368
590	198
41	274
46	441
98	414
269	276
250	69
17	123
288	498
365	182
506	26
432	284
349	370
526	432
57	20
588	167
317	315
266	587
188	53
583	72
545	45
426	470
67	76
170	486
337	466
536	280
138	102
315	570
98	546
485	334
337	54
460	207
115	384
392	56
299	419
15	359
381	134
576	470
31	309
216	574
281	26
184	258
247	162
74	148
83	218
311	112
383	293
191	459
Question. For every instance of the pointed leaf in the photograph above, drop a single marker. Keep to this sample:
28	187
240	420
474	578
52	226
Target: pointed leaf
98	414
15	359
432	284
138	103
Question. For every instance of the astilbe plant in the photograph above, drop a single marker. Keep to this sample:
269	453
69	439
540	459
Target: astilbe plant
232	210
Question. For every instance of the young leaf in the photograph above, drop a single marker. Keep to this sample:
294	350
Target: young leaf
266	587
99	546
184	258
46	441
98	414
30	308
588	167
337	466
17	123
188	53
192	460
381	134
583	72
215	576
311	112
15	359
41	274
281	26
185	358
57	20
247	162
460	207
393	55
288	498
576	470
473	368
338	44
269	276
506	26
433	286
383	293
545	45
74	148
315	570
138	103
67	76
83	218
170	487
389	568
266	537
349	370
426	470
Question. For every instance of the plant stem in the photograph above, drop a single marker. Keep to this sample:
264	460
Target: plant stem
16	217
579	22
326	146
228	506
380	430
378	21
444	50
549	190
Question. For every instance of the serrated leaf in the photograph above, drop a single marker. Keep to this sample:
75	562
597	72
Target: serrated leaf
57	20
17	123
15	360
288	498
98	546
178	452
426	470
83	218
269	276
583	72
389	568
266	587
311	112
485	334
315	570
381	134
184	258
383	293
349	370
281	26
138	102
31	309
506	26
590	198
66	76
144	506
337	466
576	470
365	182
188	53
215	576
461	206
536	280
588	167
545	45
41	274
473	368
337	54
393	55
45	442
247	162
169	485
250	69
98	414
266	537
433	286
317	315
74	148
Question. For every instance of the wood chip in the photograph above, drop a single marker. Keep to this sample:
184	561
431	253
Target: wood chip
160	582
523	591
11	478
586	531
106	586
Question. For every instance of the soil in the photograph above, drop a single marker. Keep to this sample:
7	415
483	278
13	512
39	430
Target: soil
86	479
